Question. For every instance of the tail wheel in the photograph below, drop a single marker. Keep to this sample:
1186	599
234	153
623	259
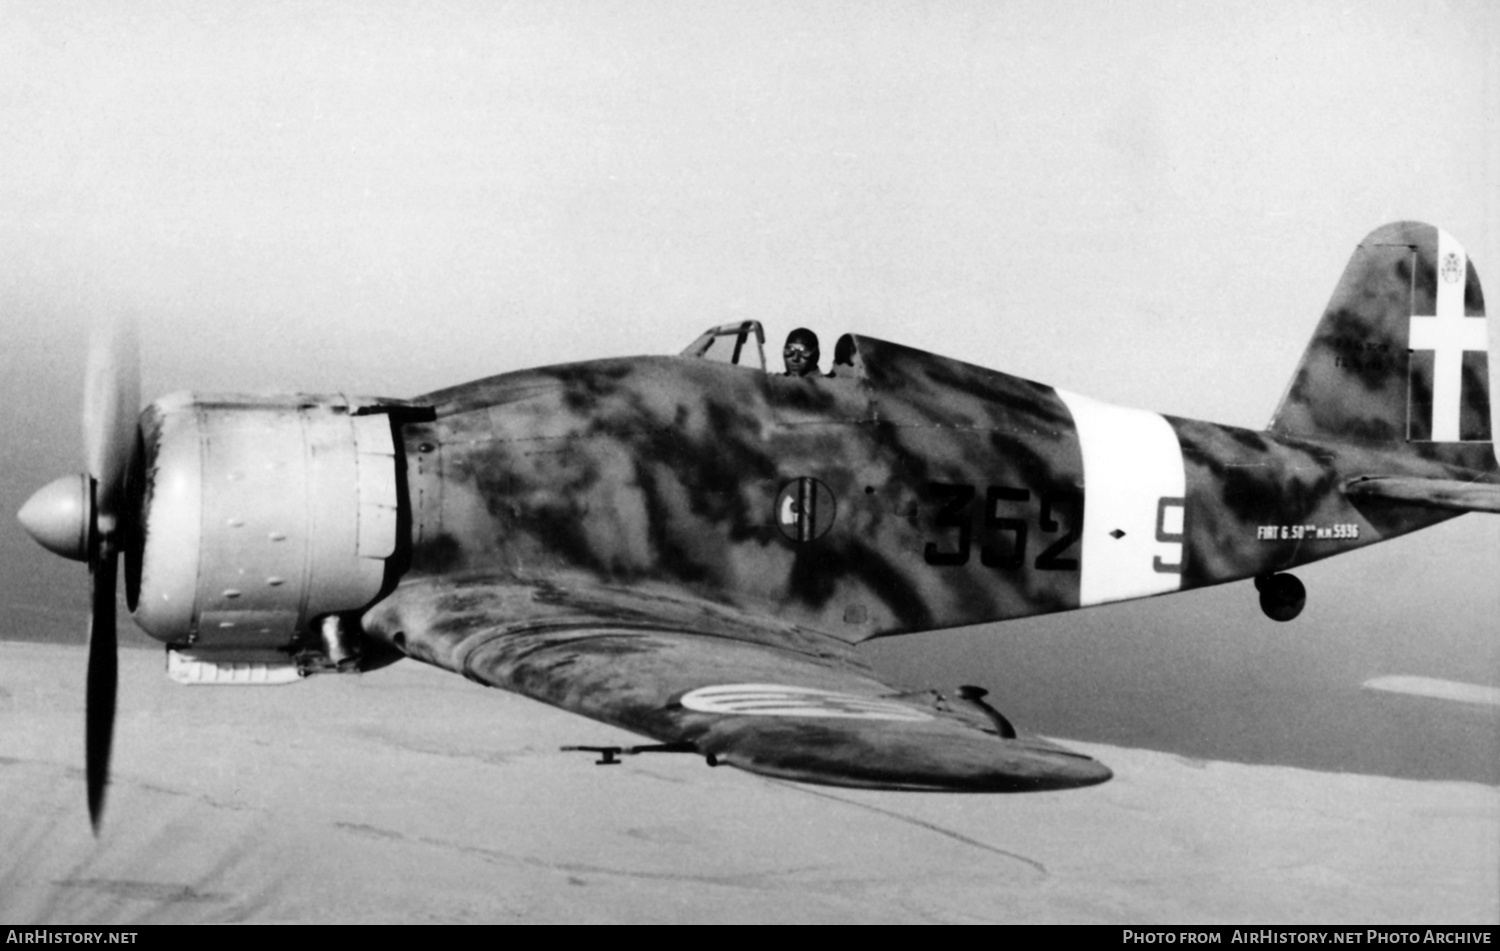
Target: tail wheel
1282	597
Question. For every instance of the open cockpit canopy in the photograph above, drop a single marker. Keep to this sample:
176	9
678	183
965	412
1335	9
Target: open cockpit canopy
743	344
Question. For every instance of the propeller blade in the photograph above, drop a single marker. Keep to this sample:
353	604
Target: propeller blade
89	518
103	678
111	406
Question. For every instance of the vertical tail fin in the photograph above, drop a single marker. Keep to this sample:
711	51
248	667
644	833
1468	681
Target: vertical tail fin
1401	356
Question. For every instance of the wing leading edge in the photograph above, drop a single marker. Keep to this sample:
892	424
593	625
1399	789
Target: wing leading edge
781	702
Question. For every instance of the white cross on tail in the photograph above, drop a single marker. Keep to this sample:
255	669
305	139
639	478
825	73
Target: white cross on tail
1448	333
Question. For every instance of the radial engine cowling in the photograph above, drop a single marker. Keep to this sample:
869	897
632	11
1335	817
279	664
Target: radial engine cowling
260	515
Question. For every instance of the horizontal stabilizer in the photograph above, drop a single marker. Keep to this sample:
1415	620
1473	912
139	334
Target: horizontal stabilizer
1451	494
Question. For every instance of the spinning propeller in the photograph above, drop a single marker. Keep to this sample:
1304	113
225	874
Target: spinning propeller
89	517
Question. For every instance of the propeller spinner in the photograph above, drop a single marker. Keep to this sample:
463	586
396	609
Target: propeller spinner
85	517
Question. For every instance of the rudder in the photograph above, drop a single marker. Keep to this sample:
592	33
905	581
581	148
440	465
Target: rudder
1401	354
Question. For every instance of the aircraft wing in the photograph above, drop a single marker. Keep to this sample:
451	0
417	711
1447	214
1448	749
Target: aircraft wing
1450	494
740	691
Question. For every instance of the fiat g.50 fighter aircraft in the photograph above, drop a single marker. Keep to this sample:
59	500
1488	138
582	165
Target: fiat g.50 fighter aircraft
688	547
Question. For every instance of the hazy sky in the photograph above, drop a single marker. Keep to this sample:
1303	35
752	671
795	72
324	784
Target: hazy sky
395	197
1146	202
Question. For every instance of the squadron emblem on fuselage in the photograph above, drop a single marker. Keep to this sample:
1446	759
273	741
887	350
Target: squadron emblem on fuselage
804	509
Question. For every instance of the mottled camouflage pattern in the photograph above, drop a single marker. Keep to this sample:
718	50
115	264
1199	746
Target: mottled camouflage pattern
605	535
665	472
1352	384
1238	479
624	656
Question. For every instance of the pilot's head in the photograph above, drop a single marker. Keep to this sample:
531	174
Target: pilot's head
801	352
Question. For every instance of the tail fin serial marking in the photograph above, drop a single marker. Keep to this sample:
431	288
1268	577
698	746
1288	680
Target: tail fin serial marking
1401	354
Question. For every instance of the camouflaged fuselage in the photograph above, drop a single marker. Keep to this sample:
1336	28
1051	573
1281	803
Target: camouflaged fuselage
911	492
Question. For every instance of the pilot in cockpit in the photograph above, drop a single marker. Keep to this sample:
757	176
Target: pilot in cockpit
801	353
